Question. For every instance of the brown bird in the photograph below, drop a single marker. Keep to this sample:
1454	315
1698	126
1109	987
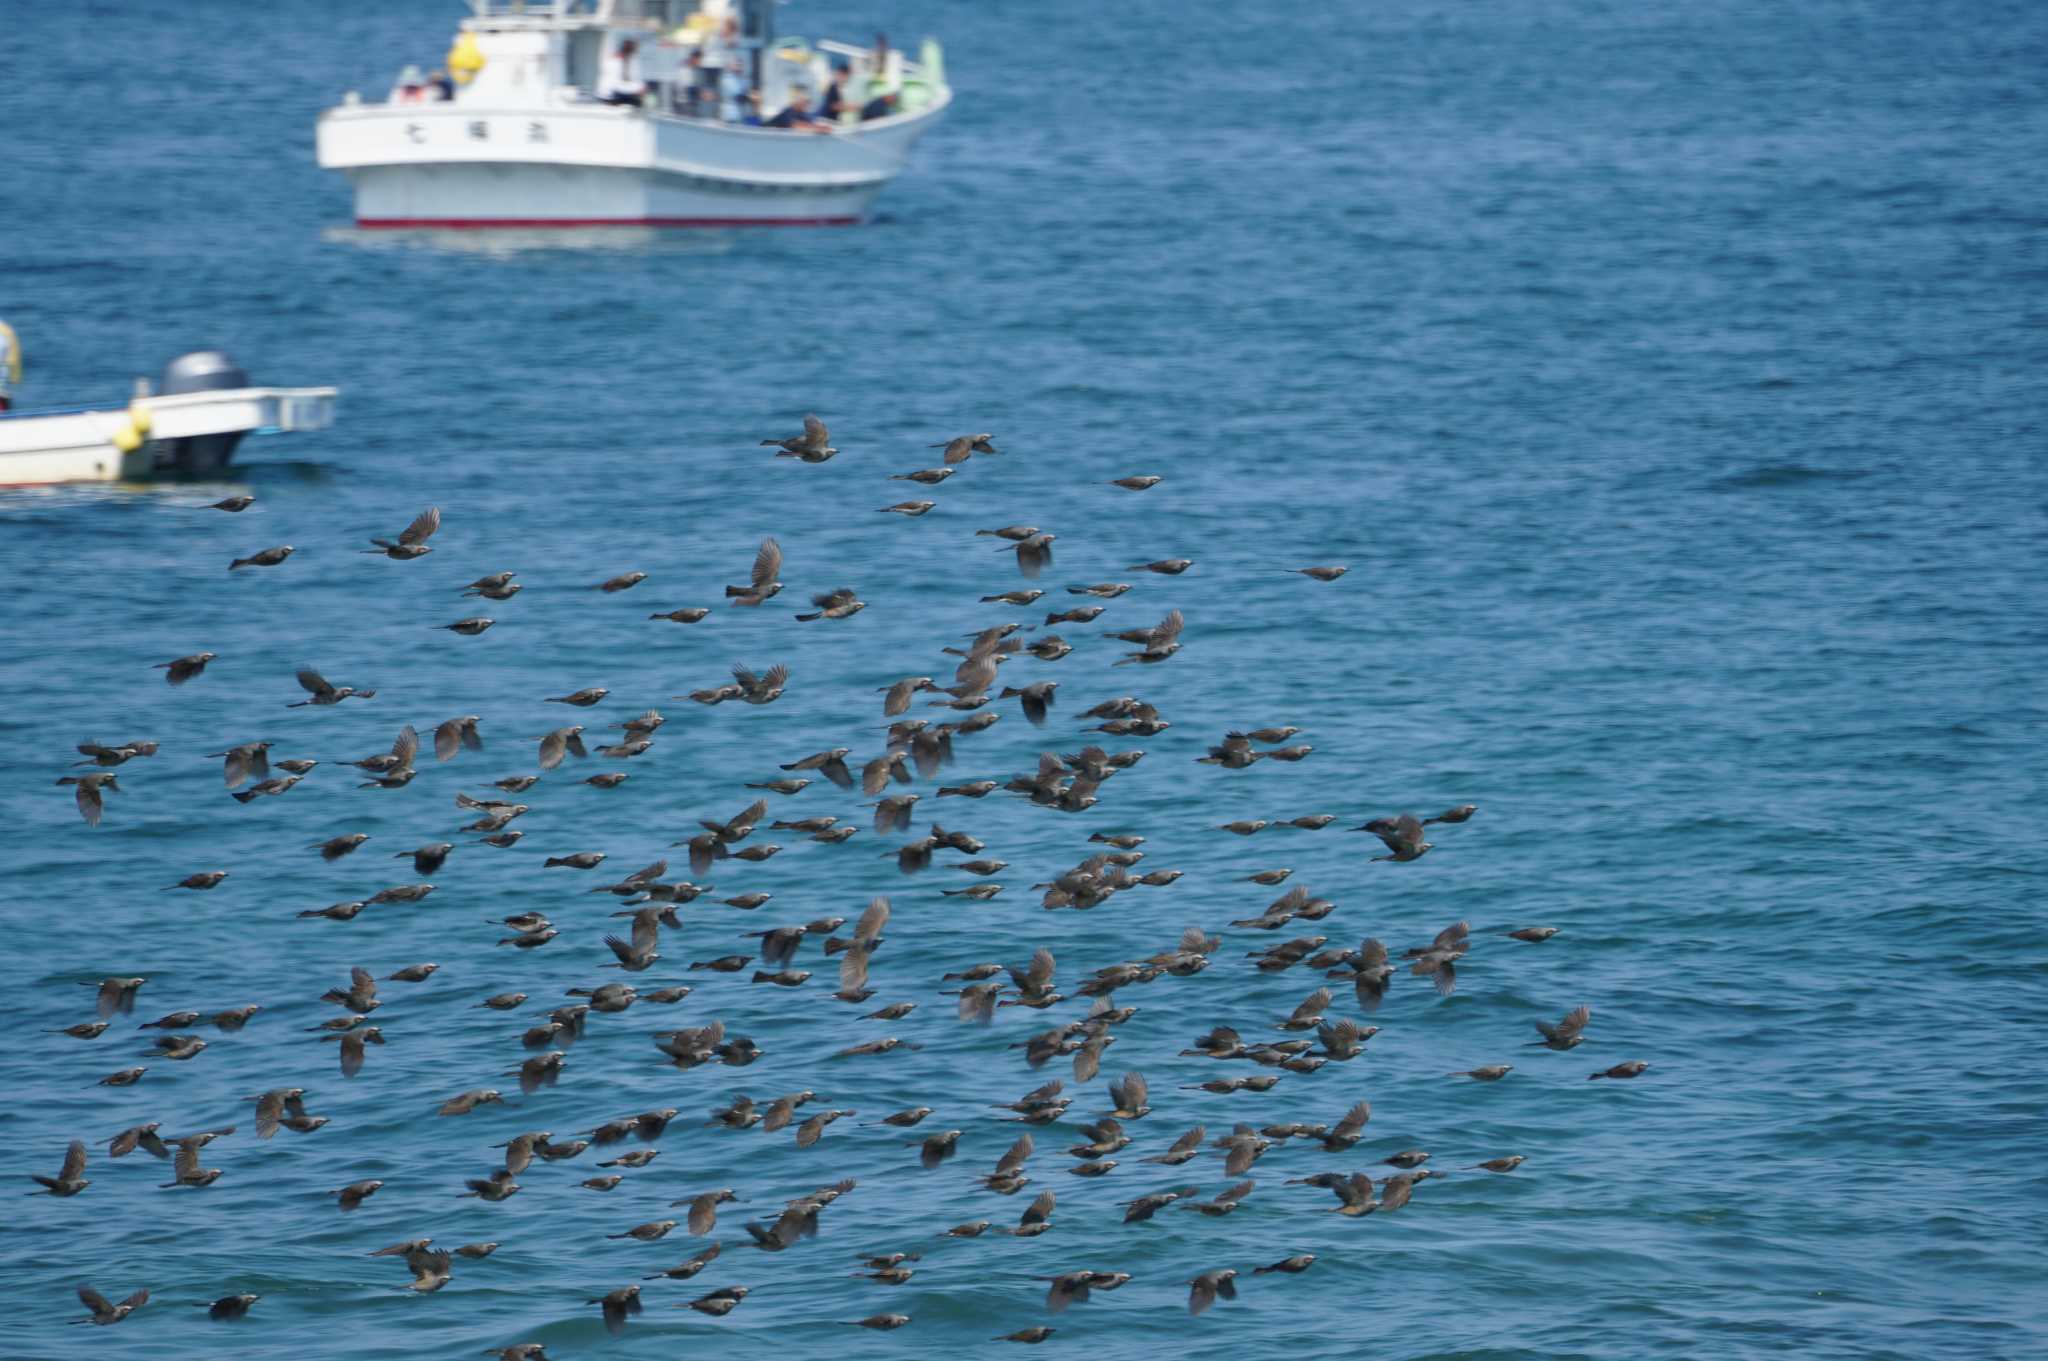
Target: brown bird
1402	836
105	1314
185	668
412	540
617	1307
356	1192
1622	1071
323	691
1320	573
70	1178
961	448
352	1047
812	446
234	505
1567	1033
1145	483
228	1308
1205	1289
268	557
625	581
762	583
689	1268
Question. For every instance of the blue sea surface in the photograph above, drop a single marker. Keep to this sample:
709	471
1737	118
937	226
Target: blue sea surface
1672	376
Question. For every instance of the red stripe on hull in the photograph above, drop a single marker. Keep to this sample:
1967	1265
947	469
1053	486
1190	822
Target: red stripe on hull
474	224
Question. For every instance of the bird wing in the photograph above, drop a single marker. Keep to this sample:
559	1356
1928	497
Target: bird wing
1355	1119
1356	1191
94	1300
704	1213
1236	1193
1190	1141
767	563
187	1163
648	875
1039	1210
746	820
1136	1089
747	679
872	920
1452	937
1017	1155
1312	1006
423	527
406	746
1168	629
1194	941
815	433
1039	975
1575	1022
1201	1294
853	969
777	677
1371	955
448	740
313	682
364	982
74	1161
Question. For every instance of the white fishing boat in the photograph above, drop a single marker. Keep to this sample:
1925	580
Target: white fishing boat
634	113
191	427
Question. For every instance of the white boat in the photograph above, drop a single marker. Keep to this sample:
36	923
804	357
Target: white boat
538	123
191	428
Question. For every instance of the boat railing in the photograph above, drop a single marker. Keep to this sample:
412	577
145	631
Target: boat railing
615	13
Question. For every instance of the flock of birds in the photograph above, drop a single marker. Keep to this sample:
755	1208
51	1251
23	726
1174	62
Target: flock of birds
644	914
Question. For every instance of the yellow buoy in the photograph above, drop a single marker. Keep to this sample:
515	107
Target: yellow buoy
465	59
139	417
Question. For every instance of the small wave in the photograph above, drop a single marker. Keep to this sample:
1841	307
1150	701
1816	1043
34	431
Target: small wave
1785	475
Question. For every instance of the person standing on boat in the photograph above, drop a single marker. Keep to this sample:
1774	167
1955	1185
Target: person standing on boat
835	102
621	83
10	364
733	91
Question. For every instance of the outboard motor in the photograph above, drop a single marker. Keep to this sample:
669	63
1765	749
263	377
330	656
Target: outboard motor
200	371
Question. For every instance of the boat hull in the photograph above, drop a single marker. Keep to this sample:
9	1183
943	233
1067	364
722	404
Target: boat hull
448	166
187	434
465	197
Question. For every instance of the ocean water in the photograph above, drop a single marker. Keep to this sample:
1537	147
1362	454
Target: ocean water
1671	376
